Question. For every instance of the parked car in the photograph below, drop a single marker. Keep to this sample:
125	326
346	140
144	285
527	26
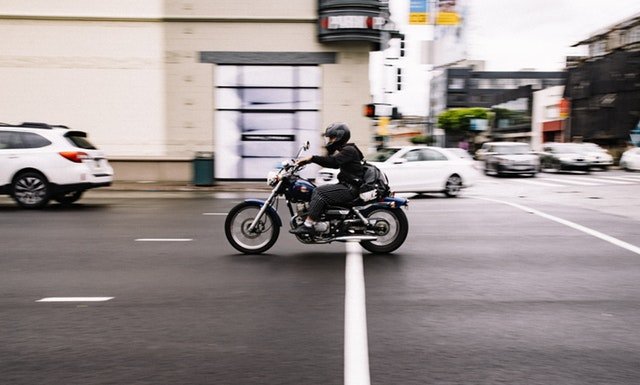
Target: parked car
564	156
461	152
630	159
479	155
42	162
599	156
510	158
418	169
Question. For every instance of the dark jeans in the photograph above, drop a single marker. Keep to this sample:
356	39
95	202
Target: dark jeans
329	194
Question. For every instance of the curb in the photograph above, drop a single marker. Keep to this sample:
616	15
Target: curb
185	187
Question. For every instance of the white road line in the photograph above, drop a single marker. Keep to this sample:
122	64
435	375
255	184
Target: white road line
164	240
608	181
539	183
597	234
220	214
356	348
75	299
626	178
572	182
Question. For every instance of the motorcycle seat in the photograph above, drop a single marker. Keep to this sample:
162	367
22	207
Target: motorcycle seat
346	205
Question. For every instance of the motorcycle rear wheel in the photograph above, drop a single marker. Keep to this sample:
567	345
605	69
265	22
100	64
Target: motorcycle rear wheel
264	235
392	237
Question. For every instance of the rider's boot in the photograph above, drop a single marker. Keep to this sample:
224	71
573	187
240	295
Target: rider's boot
303	229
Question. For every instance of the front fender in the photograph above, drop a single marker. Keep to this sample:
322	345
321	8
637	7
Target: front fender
270	209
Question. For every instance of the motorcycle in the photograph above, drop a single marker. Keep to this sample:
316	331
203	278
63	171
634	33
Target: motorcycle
253	226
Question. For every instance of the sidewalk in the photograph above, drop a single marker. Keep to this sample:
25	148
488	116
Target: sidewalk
179	186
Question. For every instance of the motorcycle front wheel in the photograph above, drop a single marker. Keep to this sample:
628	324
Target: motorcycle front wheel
391	228
260	239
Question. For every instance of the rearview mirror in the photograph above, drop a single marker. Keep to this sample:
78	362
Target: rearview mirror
306	145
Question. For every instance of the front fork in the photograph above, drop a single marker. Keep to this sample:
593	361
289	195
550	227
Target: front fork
264	207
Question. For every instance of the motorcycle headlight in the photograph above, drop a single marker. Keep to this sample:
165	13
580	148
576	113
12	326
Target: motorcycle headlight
272	178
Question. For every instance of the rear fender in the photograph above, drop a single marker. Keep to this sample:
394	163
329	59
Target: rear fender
387	203
270	209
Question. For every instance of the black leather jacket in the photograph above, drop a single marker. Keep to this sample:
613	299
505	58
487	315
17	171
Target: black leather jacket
348	159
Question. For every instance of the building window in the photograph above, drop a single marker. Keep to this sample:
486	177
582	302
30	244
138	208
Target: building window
263	115
456	84
506	84
485	84
598	48
633	35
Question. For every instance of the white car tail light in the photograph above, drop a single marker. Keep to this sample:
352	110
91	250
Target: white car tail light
74	156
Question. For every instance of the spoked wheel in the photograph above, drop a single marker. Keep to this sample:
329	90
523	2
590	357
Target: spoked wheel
453	185
391	228
69	197
31	190
256	241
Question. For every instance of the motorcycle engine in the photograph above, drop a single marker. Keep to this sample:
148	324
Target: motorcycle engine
302	208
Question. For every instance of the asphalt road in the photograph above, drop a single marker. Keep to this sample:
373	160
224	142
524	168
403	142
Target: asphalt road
519	281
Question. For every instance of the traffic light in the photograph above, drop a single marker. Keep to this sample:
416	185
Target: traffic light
399	78
370	110
395	114
402	46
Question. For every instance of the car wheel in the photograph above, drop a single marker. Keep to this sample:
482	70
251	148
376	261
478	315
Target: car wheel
69	197
30	190
544	165
453	186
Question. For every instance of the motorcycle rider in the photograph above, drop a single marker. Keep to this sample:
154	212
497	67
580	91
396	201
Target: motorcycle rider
343	155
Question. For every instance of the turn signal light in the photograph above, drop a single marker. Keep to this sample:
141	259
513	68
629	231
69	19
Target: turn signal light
74	156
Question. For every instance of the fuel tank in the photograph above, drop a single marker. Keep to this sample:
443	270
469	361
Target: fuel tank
300	191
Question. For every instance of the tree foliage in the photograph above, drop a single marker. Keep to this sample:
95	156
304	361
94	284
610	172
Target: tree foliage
459	119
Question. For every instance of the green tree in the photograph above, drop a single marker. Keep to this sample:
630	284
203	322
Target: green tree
458	120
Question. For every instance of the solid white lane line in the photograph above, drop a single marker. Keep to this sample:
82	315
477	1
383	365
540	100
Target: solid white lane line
164	239
220	214
584	229
571	182
75	299
356	348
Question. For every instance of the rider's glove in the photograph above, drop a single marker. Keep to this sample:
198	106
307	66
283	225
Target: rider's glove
303	161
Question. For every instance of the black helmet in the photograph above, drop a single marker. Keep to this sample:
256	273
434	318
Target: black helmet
341	132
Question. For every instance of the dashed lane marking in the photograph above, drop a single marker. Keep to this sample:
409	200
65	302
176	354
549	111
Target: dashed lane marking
608	181
539	183
216	214
574	182
164	239
625	178
75	299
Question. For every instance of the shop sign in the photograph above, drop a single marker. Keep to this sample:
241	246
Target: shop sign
366	20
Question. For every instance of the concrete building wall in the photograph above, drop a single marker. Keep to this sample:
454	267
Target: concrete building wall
68	62
544	109
129	73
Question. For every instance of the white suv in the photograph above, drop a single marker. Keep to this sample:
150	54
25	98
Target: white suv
39	162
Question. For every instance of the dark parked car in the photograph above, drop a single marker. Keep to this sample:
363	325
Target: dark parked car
565	156
510	158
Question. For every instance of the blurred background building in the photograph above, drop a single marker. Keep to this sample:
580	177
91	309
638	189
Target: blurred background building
603	89
156	81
